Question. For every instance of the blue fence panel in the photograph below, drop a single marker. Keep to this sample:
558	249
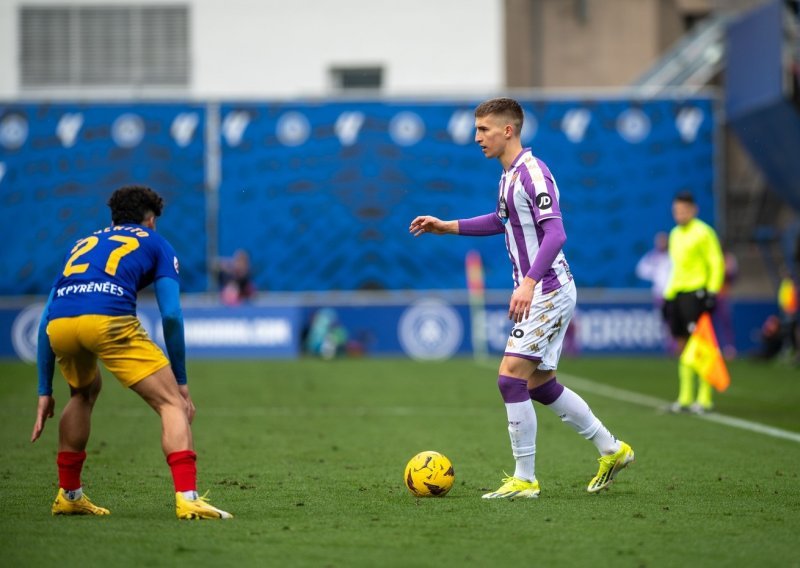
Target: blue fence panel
60	163
321	195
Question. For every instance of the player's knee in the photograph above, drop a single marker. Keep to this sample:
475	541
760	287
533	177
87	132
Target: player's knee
89	393
513	389
159	392
517	367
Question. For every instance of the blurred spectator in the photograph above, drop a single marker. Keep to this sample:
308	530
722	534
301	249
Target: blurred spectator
654	267
723	314
235	278
787	304
773	338
326	336
778	332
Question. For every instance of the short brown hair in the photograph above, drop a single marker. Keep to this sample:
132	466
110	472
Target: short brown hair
133	203
685	197
505	107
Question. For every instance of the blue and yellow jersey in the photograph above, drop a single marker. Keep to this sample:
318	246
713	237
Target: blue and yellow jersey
103	272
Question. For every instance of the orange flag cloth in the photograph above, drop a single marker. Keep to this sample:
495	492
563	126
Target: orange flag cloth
702	354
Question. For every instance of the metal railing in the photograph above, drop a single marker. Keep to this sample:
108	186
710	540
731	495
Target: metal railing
692	62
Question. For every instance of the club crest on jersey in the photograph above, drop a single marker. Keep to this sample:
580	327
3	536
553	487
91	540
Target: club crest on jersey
544	201
175	264
514	178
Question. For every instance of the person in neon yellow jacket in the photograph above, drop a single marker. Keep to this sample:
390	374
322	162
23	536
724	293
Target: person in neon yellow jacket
698	271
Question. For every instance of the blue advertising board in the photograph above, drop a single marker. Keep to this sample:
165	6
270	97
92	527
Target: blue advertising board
427	328
257	332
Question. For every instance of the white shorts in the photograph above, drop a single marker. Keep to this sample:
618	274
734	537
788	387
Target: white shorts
541	336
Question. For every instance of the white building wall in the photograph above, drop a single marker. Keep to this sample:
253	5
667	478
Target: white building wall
9	70
286	48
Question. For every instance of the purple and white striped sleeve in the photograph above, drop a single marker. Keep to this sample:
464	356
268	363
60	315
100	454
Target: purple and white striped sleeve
552	241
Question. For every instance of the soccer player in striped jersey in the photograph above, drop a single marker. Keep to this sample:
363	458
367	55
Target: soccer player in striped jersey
91	315
541	305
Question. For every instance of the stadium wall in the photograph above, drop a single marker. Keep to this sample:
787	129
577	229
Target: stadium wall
321	194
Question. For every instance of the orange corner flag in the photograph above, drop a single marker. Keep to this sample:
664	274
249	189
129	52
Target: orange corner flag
702	354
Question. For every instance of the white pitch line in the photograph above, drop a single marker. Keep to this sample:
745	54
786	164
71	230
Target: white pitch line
653	402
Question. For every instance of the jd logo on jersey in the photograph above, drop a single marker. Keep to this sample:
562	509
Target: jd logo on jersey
543	201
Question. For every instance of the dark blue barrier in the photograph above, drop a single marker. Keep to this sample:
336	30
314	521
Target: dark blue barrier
433	329
231	332
224	332
427	328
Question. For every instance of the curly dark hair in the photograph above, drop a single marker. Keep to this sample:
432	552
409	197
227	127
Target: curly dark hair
505	107
133	203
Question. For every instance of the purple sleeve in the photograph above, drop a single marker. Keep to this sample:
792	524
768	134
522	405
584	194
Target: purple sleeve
489	224
554	238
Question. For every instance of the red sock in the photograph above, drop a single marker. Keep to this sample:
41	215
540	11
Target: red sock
70	465
184	470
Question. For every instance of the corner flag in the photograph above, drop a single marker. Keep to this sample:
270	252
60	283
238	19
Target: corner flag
702	354
477	304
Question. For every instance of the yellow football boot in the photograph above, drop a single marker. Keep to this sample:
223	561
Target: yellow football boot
514	488
610	466
199	508
82	506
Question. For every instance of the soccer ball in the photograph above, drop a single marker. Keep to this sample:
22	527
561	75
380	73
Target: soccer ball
429	474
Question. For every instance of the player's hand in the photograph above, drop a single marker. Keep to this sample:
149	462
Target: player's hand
708	300
47	405
428	224
190	409
520	307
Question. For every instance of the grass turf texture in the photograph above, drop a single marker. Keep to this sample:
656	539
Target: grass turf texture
309	457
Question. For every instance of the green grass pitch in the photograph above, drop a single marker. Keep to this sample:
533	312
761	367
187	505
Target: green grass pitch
309	457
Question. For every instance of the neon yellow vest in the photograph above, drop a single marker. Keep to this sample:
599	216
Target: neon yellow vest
697	261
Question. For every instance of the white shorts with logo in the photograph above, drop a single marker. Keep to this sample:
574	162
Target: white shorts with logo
541	336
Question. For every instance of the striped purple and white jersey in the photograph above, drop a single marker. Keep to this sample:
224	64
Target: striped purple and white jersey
528	195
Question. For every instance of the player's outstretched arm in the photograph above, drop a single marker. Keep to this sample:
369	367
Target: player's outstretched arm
429	224
45	367
45	410
169	304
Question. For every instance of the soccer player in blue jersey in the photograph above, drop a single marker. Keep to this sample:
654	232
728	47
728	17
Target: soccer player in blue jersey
541	305
91	315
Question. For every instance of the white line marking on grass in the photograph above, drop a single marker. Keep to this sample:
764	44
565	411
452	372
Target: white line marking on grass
657	403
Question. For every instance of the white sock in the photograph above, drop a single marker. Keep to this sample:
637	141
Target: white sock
522	431
74	495
189	495
573	410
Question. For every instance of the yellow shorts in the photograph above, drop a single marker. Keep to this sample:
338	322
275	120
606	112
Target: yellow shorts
120	342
